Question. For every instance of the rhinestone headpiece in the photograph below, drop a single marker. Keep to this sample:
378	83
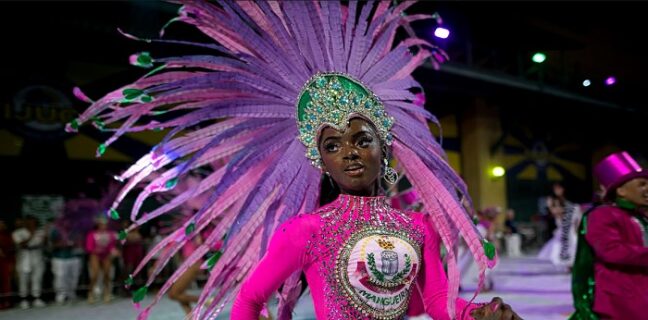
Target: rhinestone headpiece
332	99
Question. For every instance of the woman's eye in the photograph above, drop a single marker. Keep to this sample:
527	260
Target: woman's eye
365	141
331	147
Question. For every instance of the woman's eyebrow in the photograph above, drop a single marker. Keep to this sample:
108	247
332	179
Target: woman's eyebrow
361	133
331	138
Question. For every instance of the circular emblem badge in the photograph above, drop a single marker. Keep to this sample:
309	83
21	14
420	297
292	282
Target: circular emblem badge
376	268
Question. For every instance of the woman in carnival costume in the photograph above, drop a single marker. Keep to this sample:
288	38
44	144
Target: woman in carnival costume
101	245
287	78
178	291
561	248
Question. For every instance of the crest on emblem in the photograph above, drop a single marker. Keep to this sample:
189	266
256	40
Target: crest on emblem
377	269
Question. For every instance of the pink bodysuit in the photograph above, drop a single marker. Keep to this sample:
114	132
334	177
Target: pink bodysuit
101	243
362	260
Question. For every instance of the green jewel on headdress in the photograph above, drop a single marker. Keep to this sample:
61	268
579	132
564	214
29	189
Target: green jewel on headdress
331	99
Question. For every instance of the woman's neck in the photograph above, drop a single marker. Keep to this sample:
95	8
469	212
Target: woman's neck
372	191
364	193
367	207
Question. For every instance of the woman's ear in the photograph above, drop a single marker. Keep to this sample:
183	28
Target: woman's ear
322	165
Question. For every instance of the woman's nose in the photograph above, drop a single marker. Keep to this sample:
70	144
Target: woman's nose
351	154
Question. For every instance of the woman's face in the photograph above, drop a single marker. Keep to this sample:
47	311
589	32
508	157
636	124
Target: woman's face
352	157
102	225
559	190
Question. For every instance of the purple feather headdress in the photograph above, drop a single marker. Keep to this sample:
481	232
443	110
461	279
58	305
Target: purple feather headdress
244	99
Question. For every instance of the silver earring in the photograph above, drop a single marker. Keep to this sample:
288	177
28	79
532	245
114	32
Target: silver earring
330	180
390	175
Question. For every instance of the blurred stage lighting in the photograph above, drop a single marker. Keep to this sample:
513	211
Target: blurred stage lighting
539	57
498	172
610	81
441	32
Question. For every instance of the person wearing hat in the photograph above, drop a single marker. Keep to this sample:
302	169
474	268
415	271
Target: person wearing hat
610	276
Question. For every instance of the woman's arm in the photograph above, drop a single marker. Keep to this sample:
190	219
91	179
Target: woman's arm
285	255
433	282
90	242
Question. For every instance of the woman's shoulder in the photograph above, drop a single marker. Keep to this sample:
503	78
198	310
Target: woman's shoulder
416	217
296	231
303	221
423	221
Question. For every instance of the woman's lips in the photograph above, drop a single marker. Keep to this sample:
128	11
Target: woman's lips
354	170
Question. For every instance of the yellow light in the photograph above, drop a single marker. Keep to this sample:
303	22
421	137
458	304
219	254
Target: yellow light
498	172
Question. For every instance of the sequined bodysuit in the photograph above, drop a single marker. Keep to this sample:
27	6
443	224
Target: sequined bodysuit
362	260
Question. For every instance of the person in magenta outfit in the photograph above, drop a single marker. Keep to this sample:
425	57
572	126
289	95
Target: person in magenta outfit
7	263
101	245
617	232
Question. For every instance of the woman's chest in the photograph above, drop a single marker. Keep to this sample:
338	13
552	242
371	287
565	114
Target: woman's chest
102	239
372	269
